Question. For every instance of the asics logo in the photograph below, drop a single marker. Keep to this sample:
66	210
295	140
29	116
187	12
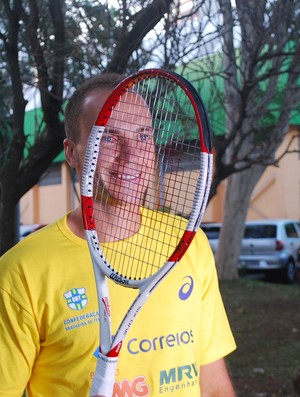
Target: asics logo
186	289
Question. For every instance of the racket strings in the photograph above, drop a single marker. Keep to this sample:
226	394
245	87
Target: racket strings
139	257
143	172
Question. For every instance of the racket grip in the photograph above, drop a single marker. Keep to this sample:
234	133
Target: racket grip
104	377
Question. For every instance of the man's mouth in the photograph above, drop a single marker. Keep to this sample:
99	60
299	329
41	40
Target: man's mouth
126	177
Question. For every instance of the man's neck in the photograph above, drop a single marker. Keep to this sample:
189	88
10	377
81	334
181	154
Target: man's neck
117	222
113	223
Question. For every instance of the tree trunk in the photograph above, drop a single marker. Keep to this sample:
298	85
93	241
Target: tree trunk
238	193
7	214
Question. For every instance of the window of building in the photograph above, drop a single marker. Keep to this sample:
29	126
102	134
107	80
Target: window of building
52	176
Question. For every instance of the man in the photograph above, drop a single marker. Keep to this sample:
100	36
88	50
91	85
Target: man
48	303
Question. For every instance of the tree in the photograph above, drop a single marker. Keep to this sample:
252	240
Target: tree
248	74
20	29
262	88
244	59
41	47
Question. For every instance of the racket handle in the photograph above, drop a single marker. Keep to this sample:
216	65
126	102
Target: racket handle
104	377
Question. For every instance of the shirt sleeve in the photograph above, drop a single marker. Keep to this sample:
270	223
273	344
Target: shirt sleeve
217	340
19	346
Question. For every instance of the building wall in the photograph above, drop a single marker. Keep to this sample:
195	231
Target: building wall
45	203
277	194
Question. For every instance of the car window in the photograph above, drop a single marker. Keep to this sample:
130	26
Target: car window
260	231
212	232
291	231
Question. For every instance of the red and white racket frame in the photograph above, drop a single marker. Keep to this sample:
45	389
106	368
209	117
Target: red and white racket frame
108	355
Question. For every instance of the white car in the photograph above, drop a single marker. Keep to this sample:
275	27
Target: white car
268	246
25	230
212	231
271	245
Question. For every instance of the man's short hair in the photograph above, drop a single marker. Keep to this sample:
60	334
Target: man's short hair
74	107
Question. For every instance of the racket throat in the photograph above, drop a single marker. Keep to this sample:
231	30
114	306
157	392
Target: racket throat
114	352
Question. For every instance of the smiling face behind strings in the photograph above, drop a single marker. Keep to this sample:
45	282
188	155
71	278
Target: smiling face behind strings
126	162
127	153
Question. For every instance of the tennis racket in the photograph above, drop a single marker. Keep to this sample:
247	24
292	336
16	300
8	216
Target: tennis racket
145	185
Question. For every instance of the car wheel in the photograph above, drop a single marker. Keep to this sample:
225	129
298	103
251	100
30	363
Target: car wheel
290	272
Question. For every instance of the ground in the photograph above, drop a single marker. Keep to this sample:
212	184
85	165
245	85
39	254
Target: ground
265	319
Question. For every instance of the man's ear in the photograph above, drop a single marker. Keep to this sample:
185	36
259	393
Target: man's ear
71	153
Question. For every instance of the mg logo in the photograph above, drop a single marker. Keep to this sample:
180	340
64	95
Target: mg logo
137	388
177	374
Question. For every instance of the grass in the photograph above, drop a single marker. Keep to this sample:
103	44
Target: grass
265	319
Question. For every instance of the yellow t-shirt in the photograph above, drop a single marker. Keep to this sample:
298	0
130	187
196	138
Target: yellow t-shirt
49	323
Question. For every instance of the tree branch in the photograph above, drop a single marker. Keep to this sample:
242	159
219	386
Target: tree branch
145	20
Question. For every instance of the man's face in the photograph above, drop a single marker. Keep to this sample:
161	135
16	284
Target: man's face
127	153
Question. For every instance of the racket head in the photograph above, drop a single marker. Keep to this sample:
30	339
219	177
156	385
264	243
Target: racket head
149	155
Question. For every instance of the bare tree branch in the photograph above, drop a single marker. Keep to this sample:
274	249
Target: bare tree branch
145	20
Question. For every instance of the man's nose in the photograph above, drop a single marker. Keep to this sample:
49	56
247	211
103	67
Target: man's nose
127	149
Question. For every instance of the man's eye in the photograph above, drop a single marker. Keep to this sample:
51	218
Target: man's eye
145	137
108	138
